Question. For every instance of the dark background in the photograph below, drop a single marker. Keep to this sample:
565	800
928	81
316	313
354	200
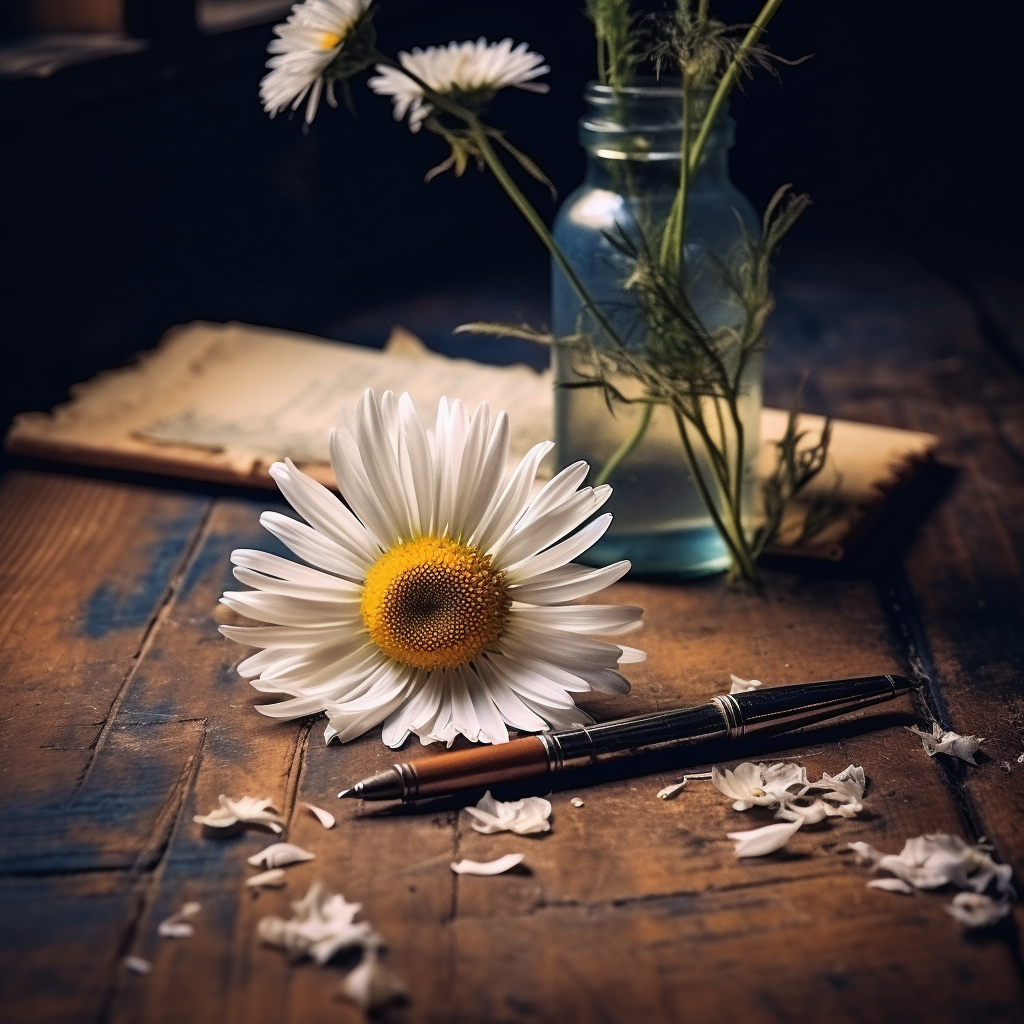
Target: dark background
144	191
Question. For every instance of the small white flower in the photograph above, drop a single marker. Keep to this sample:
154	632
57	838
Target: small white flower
760	785
758	841
245	811
278	855
439	604
489	867
307	44
371	985
320	926
942	741
471	73
526	816
976	910
743	685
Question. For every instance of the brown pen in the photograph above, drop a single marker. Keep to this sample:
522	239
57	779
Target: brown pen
730	716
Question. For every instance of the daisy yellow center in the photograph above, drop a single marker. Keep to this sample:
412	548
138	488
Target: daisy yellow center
434	603
329	40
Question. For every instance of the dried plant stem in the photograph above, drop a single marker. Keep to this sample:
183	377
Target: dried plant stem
732	73
627	446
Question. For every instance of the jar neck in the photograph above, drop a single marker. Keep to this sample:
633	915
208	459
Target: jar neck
633	138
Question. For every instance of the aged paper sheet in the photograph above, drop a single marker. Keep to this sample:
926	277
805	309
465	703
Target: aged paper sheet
223	402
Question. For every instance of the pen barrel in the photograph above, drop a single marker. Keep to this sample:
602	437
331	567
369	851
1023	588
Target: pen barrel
471	769
791	707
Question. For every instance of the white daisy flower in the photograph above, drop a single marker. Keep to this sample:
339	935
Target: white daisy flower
471	73
308	43
438	605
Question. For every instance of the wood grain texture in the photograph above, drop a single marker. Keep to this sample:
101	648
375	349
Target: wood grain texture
631	908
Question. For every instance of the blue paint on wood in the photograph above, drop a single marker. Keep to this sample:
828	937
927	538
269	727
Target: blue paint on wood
113	606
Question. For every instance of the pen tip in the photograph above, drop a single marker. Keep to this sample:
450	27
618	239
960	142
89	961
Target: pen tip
345	792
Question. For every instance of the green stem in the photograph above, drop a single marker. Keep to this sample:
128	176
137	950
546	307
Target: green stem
732	73
626	447
736	545
674	239
536	222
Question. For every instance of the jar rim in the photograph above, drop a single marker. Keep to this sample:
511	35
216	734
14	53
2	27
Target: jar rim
649	88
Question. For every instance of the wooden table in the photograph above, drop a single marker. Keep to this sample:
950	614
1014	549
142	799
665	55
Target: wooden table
123	717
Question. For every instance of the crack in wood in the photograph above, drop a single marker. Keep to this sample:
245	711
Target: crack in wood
148	638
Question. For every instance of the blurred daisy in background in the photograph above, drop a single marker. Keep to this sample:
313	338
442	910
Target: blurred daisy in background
439	604
323	41
470	73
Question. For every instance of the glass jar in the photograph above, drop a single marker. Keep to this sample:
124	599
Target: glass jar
632	138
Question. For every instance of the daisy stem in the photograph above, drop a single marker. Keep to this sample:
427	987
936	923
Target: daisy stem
626	447
536	222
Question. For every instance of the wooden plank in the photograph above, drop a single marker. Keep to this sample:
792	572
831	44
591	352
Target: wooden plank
85	566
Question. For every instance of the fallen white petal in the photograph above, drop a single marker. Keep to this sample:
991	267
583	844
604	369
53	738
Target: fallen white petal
371	985
326	818
743	685
137	965
491	867
941	741
272	879
891	885
524	817
576	802
756	842
278	855
247	810
670	791
321	924
177	926
976	910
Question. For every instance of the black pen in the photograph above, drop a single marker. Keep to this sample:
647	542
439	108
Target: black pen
728	717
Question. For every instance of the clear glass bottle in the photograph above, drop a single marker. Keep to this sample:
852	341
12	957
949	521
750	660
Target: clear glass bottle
632	138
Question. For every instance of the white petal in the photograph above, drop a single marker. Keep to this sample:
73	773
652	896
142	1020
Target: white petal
891	885
278	855
355	486
561	553
512	500
491	867
324	817
512	709
606	619
313	547
269	584
272	879
295	572
380	464
570	584
324	511
556	491
759	841
527	540
285	637
290	611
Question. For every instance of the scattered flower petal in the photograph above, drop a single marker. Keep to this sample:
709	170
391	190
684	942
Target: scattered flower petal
758	841
137	965
491	867
178	926
743	685
279	855
370	985
760	785
325	817
272	879
576	802
941	741
976	910
321	924
245	811
931	861
891	885
526	816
